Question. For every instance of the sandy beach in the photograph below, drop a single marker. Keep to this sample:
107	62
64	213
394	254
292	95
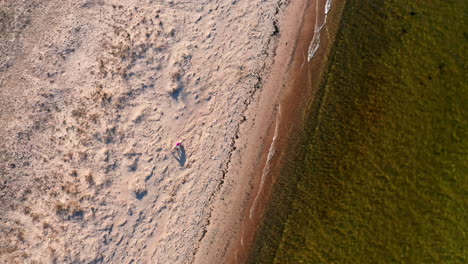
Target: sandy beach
93	96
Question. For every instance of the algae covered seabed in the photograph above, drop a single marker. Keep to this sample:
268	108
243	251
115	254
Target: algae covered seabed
381	173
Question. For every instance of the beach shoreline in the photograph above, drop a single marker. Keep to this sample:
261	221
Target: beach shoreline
277	117
296	105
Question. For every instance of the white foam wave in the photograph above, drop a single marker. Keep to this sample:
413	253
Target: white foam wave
315	43
266	168
328	6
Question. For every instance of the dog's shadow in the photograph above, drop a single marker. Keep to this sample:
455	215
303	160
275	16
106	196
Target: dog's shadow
179	155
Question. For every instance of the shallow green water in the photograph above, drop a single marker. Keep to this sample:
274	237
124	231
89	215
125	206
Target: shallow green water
382	176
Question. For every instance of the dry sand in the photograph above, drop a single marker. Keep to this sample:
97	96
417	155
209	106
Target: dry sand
93	95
